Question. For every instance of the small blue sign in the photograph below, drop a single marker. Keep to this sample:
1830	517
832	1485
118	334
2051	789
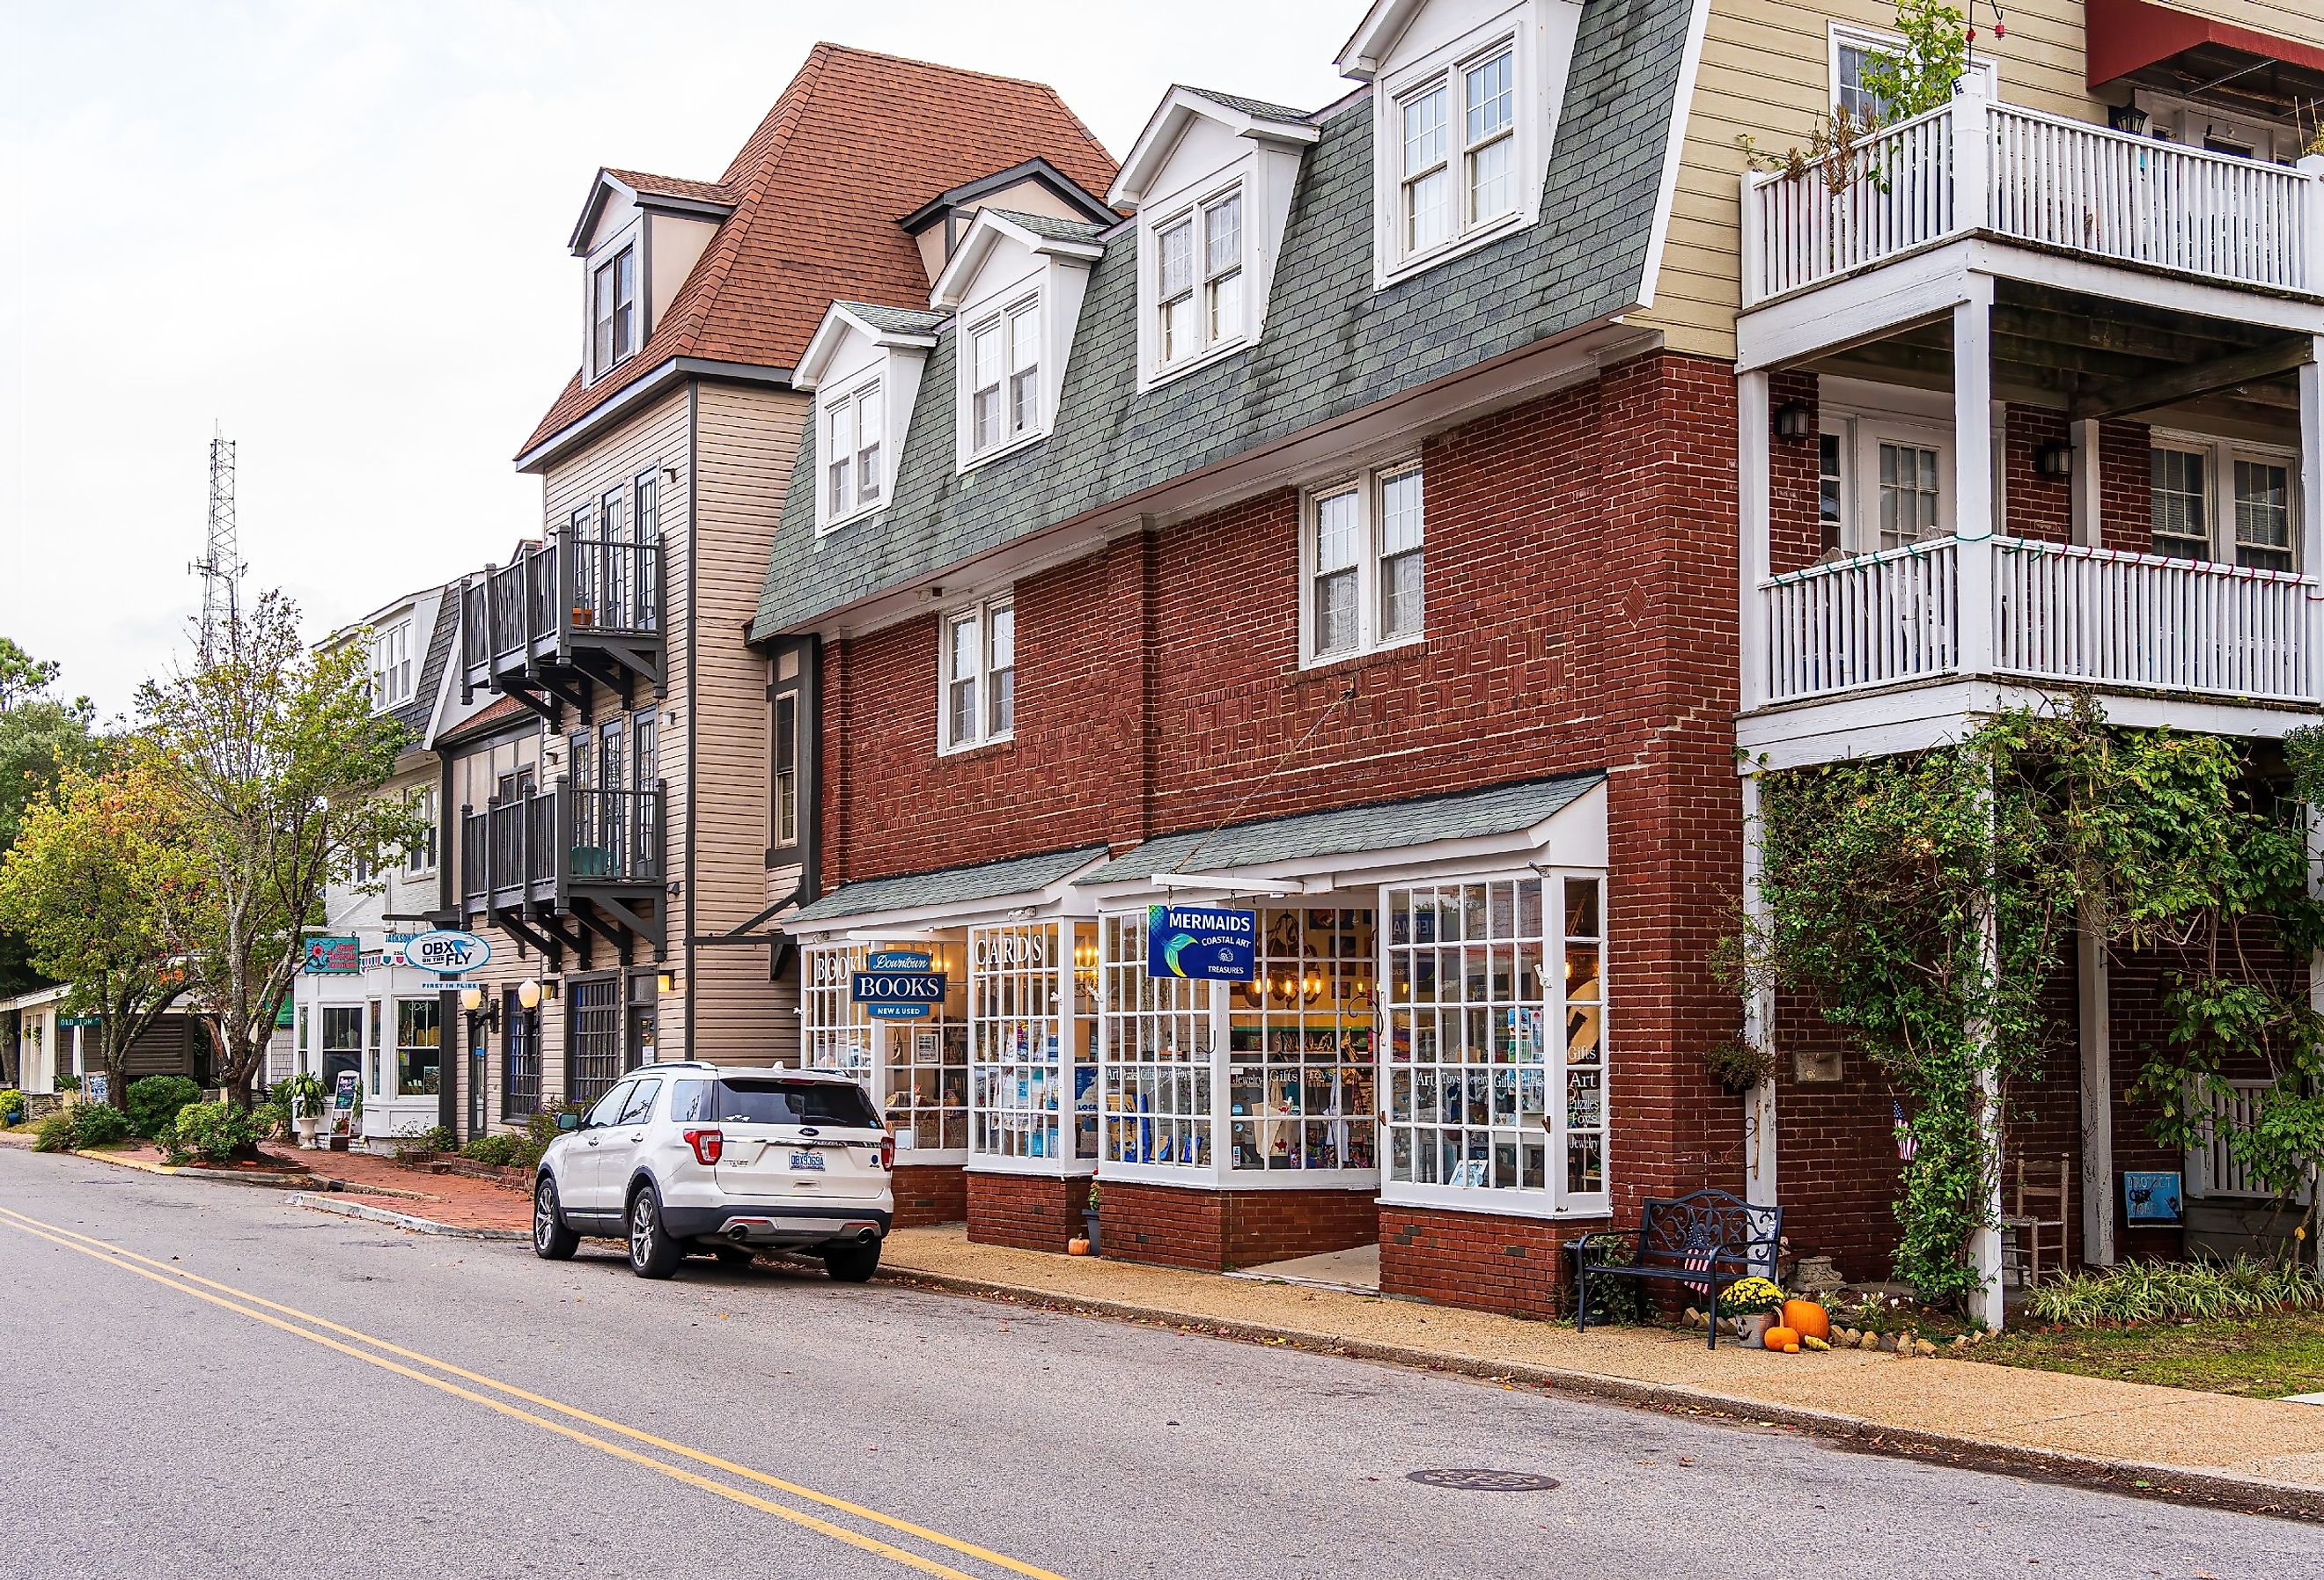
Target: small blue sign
898	986
2151	1198
1202	943
898	960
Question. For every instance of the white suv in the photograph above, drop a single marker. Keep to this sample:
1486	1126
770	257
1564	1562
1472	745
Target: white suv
701	1157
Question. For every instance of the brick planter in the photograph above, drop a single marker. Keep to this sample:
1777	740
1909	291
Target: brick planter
1028	1210
1212	1231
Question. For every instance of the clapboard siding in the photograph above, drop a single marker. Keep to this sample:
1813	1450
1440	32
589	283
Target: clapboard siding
1764	72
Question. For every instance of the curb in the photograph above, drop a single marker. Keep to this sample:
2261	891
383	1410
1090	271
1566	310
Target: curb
322	1203
2134	1478
267	1179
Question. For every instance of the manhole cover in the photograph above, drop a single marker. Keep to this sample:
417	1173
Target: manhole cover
1484	1481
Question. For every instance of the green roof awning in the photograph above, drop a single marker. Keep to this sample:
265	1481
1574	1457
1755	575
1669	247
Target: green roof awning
957	886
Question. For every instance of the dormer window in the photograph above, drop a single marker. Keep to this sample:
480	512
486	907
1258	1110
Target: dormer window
1198	287
1004	360
390	667
1469	115
614	309
853	425
863	369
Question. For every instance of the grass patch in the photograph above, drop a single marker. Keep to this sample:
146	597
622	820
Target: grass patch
2261	1357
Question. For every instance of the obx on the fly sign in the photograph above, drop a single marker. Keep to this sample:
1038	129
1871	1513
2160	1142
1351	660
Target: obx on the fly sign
448	953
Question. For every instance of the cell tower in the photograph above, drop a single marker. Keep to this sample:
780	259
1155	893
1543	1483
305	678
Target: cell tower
221	566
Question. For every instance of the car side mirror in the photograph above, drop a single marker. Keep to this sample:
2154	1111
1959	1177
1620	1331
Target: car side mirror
569	1121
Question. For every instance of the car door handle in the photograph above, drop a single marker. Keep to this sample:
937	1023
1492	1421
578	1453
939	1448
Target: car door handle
592	1140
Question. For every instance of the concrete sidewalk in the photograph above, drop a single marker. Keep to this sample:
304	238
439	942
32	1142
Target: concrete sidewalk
2265	1456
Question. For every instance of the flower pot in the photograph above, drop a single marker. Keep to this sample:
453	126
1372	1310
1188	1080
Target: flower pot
307	1124
1089	1229
1753	1329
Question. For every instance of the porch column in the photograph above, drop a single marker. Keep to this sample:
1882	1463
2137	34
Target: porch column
1985	1245
2098	1090
2311	489
1973	503
1751	428
2315	820
2089	530
1758	1019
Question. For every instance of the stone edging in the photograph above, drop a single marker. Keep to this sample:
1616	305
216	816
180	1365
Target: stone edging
322	1203
2167	1483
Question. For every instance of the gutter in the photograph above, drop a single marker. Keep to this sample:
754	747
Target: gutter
621	401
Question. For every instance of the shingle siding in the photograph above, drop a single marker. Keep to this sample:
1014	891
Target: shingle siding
1333	344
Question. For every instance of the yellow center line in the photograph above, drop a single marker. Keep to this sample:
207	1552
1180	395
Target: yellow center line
243	1301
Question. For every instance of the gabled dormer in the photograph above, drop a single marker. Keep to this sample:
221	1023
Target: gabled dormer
638	238
938	225
1211	177
864	368
1465	102
1014	288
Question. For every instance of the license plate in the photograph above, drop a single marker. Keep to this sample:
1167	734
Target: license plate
809	1160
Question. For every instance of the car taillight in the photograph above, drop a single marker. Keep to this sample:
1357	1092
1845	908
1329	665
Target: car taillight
887	1152
709	1145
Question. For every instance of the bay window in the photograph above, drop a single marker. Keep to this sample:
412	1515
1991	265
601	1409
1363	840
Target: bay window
613	311
917	1071
1158	1040
1004	377
853	425
1362	552
980	675
1197	281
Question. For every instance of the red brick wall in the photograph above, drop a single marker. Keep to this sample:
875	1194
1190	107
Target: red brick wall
1794	478
930	1193
1518	1267
2036	506
1213	1230
2126	475
1028	1210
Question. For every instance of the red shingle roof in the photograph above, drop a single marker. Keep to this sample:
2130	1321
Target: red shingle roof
856	140
652	186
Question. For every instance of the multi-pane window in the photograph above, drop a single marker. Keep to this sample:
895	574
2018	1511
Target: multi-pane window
594	1038
1364	563
853	426
838	1033
2200	489
2263	515
1457	156
786	810
2178	500
521	1058
421	857
1223	267
419	1046
979	673
1032	1043
392	669
916	1070
1300	1060
614	309
1908	494
1858	102
1829	515
1158	1056
1198	280
1005	361
1496	1041
1175	291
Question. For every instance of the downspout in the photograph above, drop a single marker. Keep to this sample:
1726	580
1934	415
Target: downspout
693	685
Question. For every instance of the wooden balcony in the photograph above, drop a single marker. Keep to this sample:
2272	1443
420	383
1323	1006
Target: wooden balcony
593	857
563	615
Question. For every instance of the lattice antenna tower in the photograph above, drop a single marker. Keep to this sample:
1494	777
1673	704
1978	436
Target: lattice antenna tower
220	567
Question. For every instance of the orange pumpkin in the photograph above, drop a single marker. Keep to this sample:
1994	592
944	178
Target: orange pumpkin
1807	1319
1781	1338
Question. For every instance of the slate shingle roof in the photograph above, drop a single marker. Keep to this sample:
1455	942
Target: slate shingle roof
855	139
1333	344
415	714
1257	108
1049	228
951	885
895	320
1351	830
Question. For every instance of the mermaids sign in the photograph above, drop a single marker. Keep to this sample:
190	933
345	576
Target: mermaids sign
1202	943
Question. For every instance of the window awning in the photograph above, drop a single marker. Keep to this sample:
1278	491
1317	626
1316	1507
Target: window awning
2174	51
948	895
1549	822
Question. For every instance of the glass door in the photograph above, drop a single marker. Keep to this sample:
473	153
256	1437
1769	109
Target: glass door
1033	1045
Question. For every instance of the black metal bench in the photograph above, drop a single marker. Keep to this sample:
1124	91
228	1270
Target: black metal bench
1705	1241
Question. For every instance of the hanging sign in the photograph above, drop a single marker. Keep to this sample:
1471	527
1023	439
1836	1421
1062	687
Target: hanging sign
80	1021
895	985
446	953
1202	943
333	957
2149	1197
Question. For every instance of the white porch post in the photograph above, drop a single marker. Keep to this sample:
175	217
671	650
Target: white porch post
1973	512
1985	1245
1751	420
2098	1093
2311	484
2088	531
1758	1019
2315	886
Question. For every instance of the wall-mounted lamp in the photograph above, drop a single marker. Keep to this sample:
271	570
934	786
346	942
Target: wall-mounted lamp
1793	421
666	981
527	992
2054	459
2127	118
472	998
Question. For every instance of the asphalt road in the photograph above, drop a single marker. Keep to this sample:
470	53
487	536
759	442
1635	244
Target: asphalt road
148	1432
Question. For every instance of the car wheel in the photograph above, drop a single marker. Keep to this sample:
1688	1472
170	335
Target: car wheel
852	1264
653	1255
551	1239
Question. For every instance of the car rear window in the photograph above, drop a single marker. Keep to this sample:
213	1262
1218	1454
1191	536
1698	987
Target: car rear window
748	1100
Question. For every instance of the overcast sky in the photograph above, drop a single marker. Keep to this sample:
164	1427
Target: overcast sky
338	229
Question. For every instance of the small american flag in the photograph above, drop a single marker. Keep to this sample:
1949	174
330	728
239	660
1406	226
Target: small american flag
1906	1146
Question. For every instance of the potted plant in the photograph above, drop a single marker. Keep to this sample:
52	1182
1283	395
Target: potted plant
307	1097
1089	1218
1738	1066
1752	1304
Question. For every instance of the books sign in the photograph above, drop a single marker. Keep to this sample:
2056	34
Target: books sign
1202	943
895	985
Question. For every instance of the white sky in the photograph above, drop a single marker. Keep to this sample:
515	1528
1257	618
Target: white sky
338	229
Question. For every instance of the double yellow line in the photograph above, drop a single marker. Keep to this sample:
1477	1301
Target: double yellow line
317	1330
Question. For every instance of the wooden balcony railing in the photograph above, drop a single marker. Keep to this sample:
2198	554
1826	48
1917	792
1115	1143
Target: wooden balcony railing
555	599
546	846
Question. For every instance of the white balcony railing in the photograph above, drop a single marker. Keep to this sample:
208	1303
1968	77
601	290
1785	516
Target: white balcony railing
2041	612
1975	165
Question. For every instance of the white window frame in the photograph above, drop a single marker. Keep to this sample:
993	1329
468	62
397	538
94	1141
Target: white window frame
980	616
421	857
1004	316
392	667
887	1056
1367	487
1194	209
1031	1012
2219	457
614	354
1448	67
1848	35
865	395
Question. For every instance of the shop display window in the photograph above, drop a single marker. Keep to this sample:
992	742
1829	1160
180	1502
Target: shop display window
916	1071
1158	1056
1300	1056
419	1047
1033	1042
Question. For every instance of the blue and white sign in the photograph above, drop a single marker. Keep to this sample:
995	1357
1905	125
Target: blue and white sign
1202	943
447	953
895	985
2151	1196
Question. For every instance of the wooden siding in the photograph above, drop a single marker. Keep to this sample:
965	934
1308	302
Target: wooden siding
1765	72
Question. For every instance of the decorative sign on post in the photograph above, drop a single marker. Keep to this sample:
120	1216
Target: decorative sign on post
2150	1198
446	953
334	957
895	985
1202	943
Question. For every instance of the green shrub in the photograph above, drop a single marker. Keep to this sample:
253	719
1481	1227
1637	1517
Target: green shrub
12	1106
2174	1291
539	1129
271	1120
436	1138
99	1125
60	1133
497	1150
154	1102
209	1132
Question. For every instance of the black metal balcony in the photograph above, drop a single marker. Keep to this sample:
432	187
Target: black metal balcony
592	855
564	613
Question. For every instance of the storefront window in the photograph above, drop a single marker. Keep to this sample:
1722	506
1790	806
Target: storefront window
419	1047
1299	1041
1496	1055
1158	1056
838	1034
378	1022
916	1070
342	1041
1032	1042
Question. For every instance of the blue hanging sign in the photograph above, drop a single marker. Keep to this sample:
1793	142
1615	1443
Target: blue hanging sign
447	953
1202	943
897	984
